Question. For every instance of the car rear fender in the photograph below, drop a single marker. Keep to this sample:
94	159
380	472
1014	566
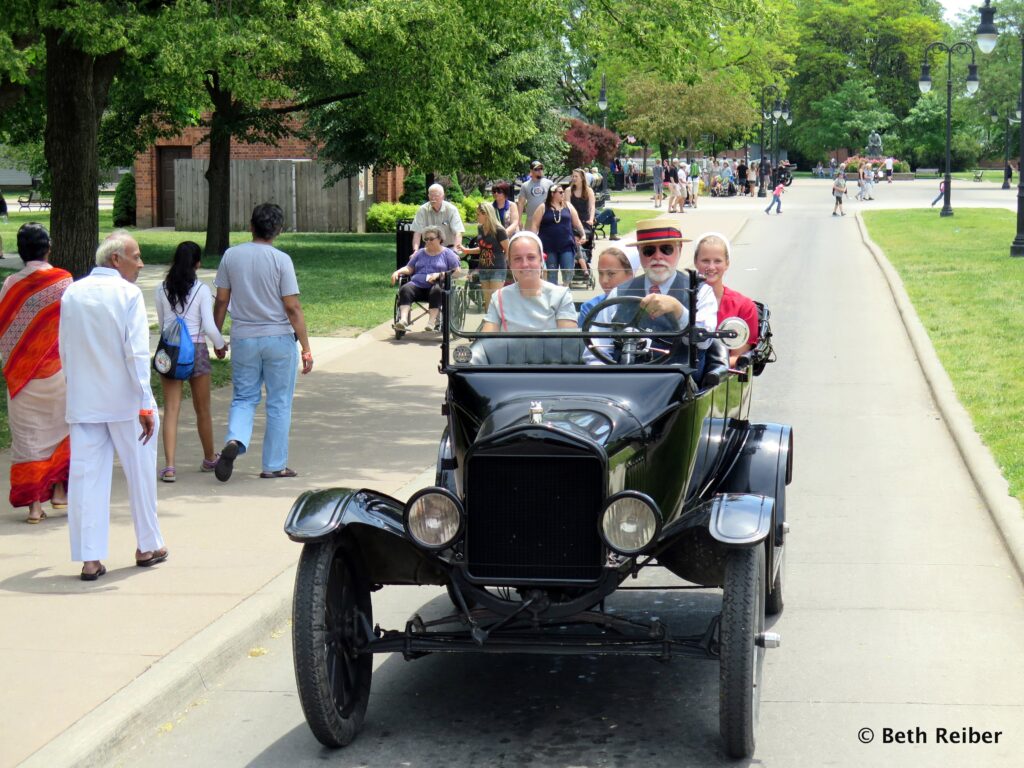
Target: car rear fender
374	524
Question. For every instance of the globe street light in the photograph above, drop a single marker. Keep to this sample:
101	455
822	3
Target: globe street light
987	35
925	84
766	115
602	102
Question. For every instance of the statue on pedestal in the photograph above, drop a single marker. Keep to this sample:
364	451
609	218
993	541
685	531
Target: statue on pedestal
874	145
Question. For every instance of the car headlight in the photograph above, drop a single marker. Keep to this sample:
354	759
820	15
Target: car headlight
629	522
433	518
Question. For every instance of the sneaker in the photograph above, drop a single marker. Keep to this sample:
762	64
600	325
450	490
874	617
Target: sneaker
614	237
226	460
398	325
834	213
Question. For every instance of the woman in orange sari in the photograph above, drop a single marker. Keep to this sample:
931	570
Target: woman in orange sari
29	322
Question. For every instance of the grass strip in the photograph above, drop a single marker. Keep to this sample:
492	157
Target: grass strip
967	291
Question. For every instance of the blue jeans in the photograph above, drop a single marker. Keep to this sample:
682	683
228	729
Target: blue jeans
566	260
270	360
776	200
607	216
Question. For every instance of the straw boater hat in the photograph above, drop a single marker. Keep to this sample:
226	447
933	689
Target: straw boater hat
653	231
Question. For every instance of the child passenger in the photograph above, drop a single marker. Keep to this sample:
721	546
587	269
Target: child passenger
613	268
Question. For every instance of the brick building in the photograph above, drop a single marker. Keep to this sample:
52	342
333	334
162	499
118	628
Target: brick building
154	171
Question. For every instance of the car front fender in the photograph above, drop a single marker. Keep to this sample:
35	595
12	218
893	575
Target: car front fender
374	522
740	519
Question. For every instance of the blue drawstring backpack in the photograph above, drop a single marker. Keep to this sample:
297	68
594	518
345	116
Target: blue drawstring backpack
175	355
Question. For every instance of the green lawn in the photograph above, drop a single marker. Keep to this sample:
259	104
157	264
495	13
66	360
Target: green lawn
967	291
343	277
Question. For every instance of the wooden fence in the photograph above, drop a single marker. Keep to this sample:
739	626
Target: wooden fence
296	185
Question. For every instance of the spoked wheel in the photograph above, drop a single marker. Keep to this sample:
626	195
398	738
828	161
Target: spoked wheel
398	333
741	660
331	609
457	307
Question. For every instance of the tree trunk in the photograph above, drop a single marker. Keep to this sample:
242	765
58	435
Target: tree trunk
218	176
77	85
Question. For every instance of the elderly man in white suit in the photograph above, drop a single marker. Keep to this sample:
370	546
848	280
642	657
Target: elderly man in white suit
104	350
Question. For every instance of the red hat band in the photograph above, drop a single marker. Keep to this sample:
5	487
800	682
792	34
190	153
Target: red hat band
665	233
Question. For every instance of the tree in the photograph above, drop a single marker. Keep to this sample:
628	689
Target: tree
669	113
588	142
844	118
59	60
876	43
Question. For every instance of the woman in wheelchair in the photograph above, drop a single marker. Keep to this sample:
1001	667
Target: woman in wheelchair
424	271
531	303
492	245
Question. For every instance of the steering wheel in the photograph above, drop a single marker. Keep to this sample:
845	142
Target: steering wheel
629	348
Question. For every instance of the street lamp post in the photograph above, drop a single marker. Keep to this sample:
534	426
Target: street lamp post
775	113
1007	123
987	35
602	102
925	84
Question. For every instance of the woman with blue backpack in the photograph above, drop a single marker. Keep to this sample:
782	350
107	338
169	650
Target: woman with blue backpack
184	310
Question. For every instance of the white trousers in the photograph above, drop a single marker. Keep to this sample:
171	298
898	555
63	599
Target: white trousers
92	463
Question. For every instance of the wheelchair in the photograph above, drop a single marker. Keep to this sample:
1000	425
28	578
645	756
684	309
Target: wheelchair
461	296
584	279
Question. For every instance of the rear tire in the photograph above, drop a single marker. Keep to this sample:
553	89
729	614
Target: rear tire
741	659
332	598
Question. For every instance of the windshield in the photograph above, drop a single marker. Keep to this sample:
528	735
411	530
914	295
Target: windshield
492	324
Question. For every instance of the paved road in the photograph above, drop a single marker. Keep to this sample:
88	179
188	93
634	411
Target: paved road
903	610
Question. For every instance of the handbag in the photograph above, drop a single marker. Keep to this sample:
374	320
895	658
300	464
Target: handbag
175	355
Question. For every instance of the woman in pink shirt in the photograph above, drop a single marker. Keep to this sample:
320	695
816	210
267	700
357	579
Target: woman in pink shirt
711	257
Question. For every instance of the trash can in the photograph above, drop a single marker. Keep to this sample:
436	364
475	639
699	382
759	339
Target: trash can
403	242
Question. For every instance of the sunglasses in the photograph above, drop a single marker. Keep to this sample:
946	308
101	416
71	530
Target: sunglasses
557	191
666	248
430	239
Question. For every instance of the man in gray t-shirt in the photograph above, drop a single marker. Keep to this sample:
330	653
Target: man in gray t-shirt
533	192
257	283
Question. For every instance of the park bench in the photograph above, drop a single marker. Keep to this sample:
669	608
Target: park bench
978	175
929	172
33	198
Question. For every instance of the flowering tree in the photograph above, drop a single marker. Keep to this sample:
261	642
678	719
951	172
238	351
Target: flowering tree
589	142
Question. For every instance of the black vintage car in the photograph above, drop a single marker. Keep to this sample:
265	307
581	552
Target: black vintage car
556	482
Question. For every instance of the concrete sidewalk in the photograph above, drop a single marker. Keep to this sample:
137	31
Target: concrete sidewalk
369	415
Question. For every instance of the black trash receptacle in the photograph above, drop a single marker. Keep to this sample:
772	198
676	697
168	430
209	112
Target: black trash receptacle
403	242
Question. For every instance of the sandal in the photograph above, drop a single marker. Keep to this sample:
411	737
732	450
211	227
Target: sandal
286	472
210	465
36	520
154	557
167	475
94	575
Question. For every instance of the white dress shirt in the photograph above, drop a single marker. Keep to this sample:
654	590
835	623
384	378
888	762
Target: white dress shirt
104	349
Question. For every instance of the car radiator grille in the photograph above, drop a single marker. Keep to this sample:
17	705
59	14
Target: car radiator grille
534	517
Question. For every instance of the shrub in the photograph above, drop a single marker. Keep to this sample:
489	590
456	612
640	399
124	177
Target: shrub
589	142
383	217
467	208
124	202
415	188
453	191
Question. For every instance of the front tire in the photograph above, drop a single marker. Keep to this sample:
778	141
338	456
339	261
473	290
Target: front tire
741	658
331	601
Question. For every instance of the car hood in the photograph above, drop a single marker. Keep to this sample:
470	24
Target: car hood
601	407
